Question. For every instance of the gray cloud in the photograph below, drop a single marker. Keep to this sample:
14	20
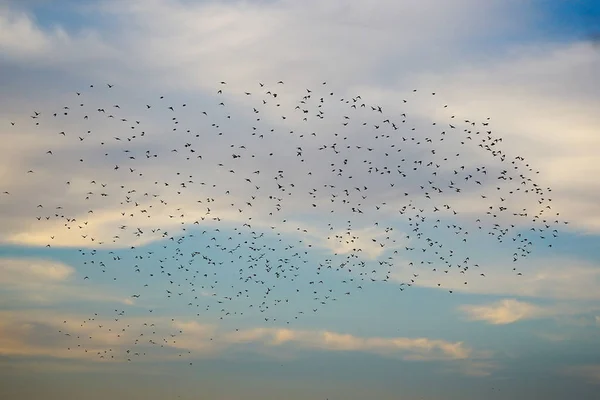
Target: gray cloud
182	51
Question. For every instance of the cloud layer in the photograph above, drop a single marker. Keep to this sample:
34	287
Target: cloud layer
47	282
541	98
558	278
35	333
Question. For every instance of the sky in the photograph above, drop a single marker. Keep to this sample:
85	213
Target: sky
133	264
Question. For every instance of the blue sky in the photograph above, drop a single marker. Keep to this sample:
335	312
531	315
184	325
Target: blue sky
528	66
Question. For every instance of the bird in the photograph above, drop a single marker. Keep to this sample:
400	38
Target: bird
295	214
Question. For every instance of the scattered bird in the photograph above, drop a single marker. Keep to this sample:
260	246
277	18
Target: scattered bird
248	207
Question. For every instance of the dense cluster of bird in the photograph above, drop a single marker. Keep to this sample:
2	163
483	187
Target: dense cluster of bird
276	202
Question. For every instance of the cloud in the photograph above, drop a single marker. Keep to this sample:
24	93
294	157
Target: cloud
590	373
542	99
249	42
505	311
15	25
22	39
195	336
69	336
557	278
27	271
28	335
508	311
535	95
409	348
17	364
476	368
240	31
43	281
371	241
553	337
40	333
93	186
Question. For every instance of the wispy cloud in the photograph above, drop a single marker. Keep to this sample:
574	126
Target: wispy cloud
411	348
42	281
476	368
36	333
590	373
535	95
196	336
558	278
542	97
506	311
165	23
48	333
26	271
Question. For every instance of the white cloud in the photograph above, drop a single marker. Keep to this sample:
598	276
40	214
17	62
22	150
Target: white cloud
42	281
505	311
371	241
35	333
48	333
241	32
543	101
19	35
533	94
508	311
24	271
408	348
557	278
286	39
22	39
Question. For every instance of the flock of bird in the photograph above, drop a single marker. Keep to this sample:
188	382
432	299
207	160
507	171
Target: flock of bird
261	202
